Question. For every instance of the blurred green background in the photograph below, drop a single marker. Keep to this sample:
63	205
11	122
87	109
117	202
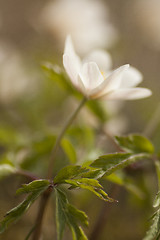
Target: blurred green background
34	104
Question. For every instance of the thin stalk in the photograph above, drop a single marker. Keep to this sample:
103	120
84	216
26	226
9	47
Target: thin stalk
26	174
47	193
30	233
42	207
58	141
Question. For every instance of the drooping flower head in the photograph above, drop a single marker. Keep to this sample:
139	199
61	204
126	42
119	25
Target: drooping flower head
94	79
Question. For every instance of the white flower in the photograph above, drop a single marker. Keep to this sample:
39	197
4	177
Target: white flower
93	78
86	20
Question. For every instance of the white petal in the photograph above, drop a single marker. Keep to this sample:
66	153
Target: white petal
131	78
72	67
128	94
102	58
71	61
111	83
82	88
69	48
91	75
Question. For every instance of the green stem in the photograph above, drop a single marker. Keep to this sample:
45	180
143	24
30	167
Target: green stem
26	174
58	141
47	193
42	207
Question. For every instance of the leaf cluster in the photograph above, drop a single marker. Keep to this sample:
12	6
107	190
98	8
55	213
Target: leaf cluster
34	190
135	149
80	177
154	231
67	214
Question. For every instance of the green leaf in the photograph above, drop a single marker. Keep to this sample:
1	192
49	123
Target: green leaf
135	144
61	202
56	74
91	185
6	170
78	215
112	162
157	165
87	181
68	214
77	231
98	192
157	200
93	173
68	172
37	185
14	214
154	232
69	150
73	175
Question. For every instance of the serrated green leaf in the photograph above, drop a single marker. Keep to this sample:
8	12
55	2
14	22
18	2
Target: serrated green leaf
104	196
107	161
92	173
157	200
87	181
135	144
77	232
112	162
98	192
91	187
78	215
37	185
154	231
68	214
68	172
6	170
14	214
157	165
69	150
61	202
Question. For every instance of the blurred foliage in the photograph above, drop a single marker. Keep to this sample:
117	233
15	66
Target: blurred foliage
27	147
